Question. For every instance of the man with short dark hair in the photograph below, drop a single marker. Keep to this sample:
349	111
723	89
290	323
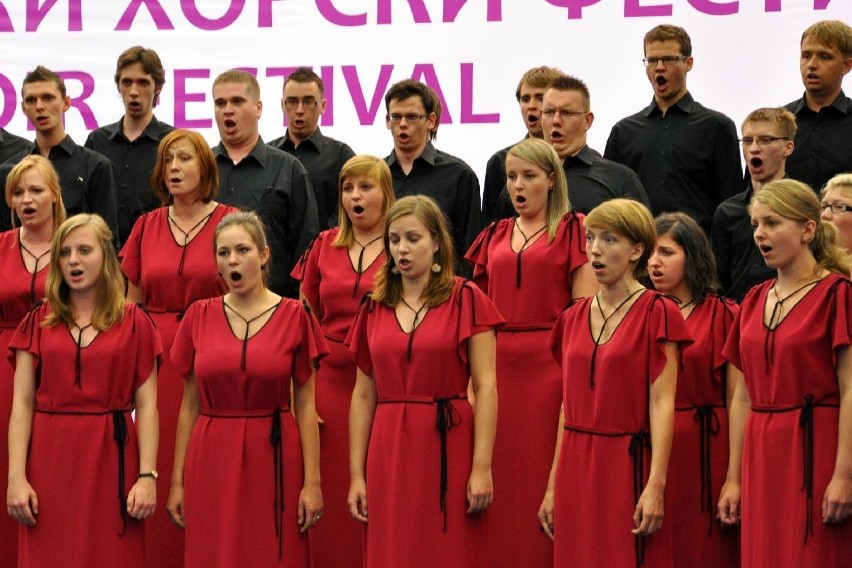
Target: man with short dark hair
323	156
767	143
529	94
824	113
255	176
417	167
131	142
86	177
686	155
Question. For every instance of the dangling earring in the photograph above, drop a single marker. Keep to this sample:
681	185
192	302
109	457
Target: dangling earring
436	268
394	269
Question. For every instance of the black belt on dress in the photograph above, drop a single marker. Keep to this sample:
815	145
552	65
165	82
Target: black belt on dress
447	418
638	442
708	426
806	422
277	459
121	437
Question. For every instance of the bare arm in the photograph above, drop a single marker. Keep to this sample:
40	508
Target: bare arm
545	512
190	408
648	517
837	502
361	412
310	498
21	499
142	497
482	354
739	408
134	293
583	282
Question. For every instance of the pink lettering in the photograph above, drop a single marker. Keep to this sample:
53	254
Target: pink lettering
282	72
425	72
452	7
467	114
264	13
575	7
5	20
10	100
327	75
716	8
182	97
36	13
338	18
155	10
353	83
79	102
634	9
418	10
190	10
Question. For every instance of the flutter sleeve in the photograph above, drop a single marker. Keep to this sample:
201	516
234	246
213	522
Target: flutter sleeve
665	324
358	338
149	348
182	354
312	346
477	314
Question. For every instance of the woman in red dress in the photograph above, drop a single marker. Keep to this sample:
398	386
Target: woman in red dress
531	268
336	272
619	355
682	267
35	199
419	342
246	480
790	472
168	265
81	471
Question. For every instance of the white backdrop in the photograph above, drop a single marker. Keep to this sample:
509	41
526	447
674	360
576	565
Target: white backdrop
472	51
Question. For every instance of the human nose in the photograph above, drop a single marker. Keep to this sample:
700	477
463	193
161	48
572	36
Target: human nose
826	213
654	260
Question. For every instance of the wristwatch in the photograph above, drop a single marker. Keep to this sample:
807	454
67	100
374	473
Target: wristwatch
153	473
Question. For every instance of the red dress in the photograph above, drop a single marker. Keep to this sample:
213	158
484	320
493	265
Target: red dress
74	463
606	443
171	276
527	377
334	288
791	377
242	490
19	291
407	526
699	460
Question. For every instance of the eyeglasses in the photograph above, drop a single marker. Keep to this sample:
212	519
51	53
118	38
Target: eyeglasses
837	207
563	112
410	117
761	140
293	102
666	60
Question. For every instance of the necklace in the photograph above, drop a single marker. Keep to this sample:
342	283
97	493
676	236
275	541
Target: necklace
360	268
413	324
603	328
524	247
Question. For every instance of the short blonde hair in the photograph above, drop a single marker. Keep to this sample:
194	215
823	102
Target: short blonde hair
840	182
630	219
48	176
370	167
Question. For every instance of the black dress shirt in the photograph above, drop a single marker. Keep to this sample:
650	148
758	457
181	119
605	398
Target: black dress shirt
133	163
688	159
12	147
494	185
323	157
739	263
823	142
452	184
276	186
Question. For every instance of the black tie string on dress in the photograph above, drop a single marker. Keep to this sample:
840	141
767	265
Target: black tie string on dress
186	236
603	328
769	340
413	326
360	269
78	357
248	323
524	247
33	297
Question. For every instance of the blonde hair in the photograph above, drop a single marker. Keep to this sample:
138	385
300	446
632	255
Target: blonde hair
388	286
253	225
796	201
109	298
630	219
541	154
370	167
840	182
48	175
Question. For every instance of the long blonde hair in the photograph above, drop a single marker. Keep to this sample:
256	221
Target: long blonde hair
48	175
794	200
109	299
541	154
388	286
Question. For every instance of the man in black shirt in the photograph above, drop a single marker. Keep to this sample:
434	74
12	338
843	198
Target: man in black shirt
566	118
686	155
12	147
767	142
86	177
322	156
255	176
824	113
417	167
131	142
530	95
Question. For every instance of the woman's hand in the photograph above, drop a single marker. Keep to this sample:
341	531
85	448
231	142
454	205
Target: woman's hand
837	502
730	503
174	505
480	490
142	498
357	500
545	513
22	502
310	506
648	517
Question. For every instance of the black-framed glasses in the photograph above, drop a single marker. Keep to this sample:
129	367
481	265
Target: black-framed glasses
307	102
564	113
837	207
409	117
665	60
761	140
